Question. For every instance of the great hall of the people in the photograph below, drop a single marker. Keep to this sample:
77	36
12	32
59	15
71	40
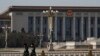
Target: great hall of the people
70	24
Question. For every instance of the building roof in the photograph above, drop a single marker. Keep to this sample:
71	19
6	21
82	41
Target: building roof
5	17
59	8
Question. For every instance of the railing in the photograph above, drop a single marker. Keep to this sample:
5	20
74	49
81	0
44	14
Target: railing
6	52
55	53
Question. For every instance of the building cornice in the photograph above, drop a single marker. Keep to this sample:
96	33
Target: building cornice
60	8
4	17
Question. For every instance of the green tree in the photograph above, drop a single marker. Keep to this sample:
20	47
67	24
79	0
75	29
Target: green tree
17	39
2	40
22	30
1	30
13	39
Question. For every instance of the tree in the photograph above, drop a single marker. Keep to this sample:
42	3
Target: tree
33	53
12	39
26	52
22	30
17	39
42	53
1	30
2	40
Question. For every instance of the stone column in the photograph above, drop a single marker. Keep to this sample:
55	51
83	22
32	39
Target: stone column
34	25
41	25
63	28
73	27
55	26
41	31
12	20
89	26
95	26
82	27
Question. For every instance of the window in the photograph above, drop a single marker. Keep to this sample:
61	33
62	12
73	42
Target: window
45	20
44	30
85	26
92	20
59	28
59	24
98	20
38	20
98	32
37	30
30	24
68	22
77	27
91	32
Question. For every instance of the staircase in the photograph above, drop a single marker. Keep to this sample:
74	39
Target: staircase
59	45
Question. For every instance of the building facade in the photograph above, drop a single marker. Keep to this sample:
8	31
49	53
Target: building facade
83	21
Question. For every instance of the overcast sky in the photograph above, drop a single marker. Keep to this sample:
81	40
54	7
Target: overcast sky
4	4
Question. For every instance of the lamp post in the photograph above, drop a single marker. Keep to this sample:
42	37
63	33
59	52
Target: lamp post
50	13
6	34
41	38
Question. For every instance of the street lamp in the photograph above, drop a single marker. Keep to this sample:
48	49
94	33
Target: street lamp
50	13
6	34
41	38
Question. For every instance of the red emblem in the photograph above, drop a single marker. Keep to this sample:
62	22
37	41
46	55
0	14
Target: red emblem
69	13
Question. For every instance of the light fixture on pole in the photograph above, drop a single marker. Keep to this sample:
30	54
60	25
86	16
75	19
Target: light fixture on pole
41	39
6	34
50	13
